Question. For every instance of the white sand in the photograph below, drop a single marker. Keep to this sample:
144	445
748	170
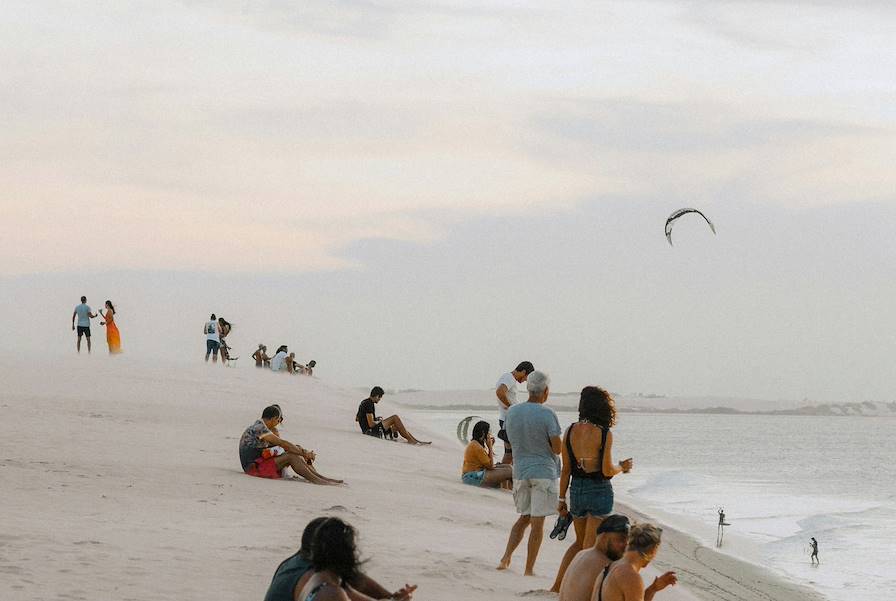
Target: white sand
120	480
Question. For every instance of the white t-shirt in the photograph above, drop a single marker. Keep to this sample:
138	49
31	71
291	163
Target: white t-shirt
211	331
509	381
278	361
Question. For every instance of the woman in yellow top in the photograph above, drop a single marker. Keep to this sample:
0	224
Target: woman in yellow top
479	460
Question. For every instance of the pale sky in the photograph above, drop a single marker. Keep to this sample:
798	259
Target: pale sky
422	194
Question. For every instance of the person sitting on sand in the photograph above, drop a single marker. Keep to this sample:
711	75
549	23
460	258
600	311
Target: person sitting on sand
479	467
278	361
534	433
261	356
335	566
622	581
586	566
261	436
295	571
588	464
373	426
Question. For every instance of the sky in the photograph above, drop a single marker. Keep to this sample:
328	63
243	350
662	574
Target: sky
421	194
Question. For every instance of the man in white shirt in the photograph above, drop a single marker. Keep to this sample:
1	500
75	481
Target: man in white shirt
505	390
278	361
212	332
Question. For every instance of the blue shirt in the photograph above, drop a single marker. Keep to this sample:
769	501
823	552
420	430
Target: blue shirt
530	427
83	311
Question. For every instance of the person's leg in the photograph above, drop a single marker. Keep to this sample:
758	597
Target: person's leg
536	535
575	547
494	478
394	422
88	342
516	537
299	466
78	346
319	475
591	526
214	353
208	349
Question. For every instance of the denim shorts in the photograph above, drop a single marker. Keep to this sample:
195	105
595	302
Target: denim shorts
473	478
590	497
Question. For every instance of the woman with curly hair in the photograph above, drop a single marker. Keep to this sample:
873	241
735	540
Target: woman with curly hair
588	465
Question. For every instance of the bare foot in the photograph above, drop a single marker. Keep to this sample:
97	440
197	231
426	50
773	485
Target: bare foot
505	563
528	573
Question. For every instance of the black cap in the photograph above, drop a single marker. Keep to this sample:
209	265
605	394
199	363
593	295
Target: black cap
614	523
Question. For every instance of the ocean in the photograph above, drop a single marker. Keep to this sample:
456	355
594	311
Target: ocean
780	480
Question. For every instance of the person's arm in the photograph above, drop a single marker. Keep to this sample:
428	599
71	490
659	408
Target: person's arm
490	446
74	314
501	393
564	477
609	468
365	587
631	586
659	583
370	421
292	448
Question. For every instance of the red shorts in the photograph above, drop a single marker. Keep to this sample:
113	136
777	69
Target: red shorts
264	467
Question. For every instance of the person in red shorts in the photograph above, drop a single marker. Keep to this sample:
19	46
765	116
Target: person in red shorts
258	441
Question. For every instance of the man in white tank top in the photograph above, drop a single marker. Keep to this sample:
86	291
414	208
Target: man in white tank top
212	332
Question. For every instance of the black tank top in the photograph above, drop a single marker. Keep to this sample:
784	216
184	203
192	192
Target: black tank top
578	472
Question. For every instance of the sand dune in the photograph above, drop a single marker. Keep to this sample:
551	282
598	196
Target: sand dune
120	480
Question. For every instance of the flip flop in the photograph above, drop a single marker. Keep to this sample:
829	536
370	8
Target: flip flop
561	526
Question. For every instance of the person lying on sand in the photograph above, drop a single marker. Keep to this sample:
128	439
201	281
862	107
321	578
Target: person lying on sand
587	565
373	426
622	581
479	467
294	573
259	457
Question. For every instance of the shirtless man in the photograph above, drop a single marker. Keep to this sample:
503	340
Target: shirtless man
623	580
583	571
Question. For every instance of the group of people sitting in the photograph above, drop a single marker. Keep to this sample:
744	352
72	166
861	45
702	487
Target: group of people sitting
282	360
327	568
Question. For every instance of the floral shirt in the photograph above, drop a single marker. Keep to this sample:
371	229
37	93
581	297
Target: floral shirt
251	443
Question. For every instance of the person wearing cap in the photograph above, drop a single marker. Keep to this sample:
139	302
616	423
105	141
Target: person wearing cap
609	546
505	390
534	432
621	581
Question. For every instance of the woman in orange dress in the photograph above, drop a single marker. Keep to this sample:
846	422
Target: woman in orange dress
113	337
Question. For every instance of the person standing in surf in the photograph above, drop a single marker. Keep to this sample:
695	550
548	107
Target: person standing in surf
814	557
113	336
84	314
505	390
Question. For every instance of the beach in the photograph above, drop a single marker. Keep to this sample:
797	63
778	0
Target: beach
120	480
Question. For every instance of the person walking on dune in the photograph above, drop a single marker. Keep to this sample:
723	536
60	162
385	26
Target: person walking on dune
84	314
505	390
212	331
534	432
113	336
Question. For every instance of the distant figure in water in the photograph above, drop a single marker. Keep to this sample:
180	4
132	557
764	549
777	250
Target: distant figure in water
622	580
373	426
84	314
261	356
721	530
814	545
113	336
295	571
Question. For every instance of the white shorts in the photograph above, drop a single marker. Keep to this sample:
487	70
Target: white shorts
536	497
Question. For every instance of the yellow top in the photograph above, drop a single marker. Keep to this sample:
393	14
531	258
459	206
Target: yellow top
475	458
